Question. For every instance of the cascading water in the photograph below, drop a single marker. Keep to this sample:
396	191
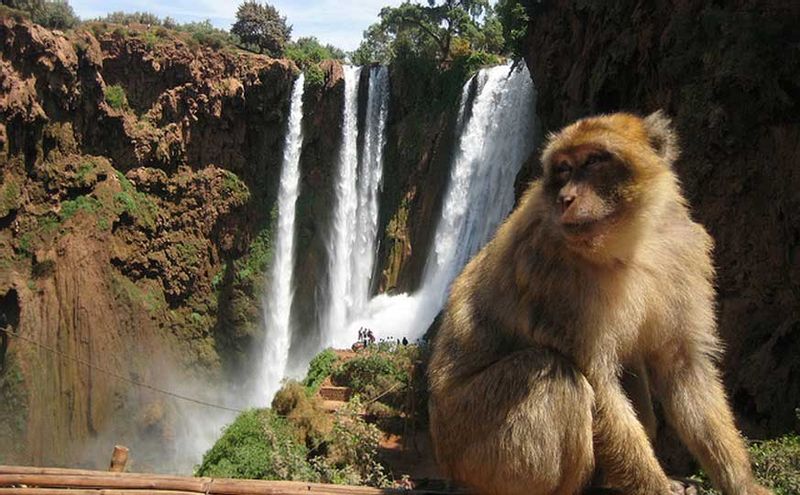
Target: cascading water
369	184
279	298
497	136
356	215
344	217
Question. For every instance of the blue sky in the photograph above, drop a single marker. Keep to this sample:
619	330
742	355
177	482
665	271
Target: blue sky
339	22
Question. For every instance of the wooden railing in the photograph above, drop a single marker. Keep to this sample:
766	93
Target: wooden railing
25	480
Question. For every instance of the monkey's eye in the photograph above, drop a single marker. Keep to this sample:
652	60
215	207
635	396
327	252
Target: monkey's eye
562	171
595	159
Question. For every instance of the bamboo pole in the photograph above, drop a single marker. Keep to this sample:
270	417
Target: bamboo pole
118	459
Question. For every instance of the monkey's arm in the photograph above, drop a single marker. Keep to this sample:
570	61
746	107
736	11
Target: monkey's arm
622	445
688	385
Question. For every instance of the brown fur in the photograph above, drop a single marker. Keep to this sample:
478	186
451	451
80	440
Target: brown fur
599	269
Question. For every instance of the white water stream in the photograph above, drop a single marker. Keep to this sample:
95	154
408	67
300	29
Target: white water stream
278	304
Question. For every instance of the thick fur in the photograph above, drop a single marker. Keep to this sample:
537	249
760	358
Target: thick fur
525	374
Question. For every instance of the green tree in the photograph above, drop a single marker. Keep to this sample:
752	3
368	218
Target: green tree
308	50
55	14
261	26
441	30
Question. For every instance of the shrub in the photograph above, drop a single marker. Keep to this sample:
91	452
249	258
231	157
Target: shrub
319	369
352	456
374	374
115	97
258	445
311	423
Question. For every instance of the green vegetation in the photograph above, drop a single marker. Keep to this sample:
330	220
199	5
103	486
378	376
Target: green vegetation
320	368
304	411
776	464
258	445
442	32
72	207
261	27
135	204
9	196
151	297
13	407
233	186
514	16
309	51
54	14
115	97
258	256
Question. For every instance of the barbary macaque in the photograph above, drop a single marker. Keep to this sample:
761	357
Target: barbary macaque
599	269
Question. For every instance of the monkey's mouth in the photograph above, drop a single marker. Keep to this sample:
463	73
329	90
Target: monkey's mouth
587	229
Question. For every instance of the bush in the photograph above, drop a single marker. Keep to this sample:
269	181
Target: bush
352	456
311	423
115	97
375	374
258	445
319	369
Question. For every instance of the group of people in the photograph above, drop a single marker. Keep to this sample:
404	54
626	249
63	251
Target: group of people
365	336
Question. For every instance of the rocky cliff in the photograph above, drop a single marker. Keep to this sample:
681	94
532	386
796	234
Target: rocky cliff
729	75
139	172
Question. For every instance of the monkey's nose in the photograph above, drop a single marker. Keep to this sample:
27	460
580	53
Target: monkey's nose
566	200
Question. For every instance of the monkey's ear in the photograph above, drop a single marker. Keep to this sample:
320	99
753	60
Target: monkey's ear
662	136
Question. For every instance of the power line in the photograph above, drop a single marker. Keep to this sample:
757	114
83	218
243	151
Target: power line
117	375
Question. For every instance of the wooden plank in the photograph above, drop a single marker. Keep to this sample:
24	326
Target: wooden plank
54	478
100	491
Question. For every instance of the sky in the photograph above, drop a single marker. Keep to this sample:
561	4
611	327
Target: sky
338	22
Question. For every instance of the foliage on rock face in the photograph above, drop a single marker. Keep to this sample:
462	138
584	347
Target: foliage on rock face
13	407
261	26
115	97
320	368
257	445
198	33
440	31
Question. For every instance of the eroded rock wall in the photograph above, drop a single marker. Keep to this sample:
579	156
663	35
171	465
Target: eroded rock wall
729	75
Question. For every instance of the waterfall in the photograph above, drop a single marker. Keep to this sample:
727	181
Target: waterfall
495	141
369	183
355	221
279	298
496	137
344	216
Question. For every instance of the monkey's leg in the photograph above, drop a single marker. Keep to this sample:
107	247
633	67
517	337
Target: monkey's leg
623	448
637	386
521	426
695	404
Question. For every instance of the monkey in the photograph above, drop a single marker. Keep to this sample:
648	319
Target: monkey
599	268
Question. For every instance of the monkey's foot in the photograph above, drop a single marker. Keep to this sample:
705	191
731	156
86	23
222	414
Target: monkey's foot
680	488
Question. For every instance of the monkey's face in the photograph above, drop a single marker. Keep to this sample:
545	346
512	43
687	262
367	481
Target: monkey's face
588	190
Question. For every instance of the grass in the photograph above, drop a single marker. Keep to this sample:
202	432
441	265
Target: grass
776	464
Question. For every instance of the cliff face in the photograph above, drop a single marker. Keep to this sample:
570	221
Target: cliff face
138	177
729	76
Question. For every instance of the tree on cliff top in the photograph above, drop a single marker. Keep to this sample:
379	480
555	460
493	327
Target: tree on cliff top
442	30
54	14
261	26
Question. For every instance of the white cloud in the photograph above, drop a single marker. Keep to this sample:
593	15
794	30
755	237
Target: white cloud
339	22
